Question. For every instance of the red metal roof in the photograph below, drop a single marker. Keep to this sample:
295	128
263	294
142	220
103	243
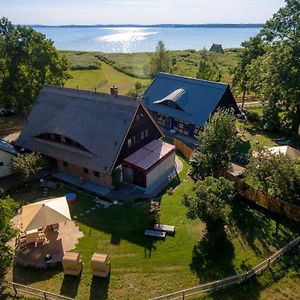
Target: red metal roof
150	154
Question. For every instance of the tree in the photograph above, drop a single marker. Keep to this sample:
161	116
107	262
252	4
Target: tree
251	50
275	72
216	146
275	174
28	165
28	60
208	70
210	201
160	60
8	209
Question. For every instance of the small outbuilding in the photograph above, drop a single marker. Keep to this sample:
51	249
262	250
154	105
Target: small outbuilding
72	263
217	48
100	265
150	165
285	150
7	153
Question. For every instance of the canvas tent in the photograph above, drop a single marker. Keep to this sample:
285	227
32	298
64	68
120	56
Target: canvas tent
45	213
285	150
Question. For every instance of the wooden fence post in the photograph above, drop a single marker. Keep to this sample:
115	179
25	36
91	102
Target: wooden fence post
15	289
183	294
45	295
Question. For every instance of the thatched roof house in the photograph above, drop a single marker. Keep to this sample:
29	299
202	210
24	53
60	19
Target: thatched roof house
217	48
87	134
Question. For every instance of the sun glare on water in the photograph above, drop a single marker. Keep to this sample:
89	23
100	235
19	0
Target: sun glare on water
125	36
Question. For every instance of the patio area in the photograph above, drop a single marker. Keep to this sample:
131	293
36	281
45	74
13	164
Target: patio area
56	243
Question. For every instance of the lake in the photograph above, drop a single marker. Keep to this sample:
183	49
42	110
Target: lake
144	39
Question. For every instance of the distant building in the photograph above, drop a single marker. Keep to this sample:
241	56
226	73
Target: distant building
183	104
217	48
89	135
7	153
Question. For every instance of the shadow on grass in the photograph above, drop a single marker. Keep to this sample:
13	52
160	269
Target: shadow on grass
255	223
212	257
69	286
28	275
99	288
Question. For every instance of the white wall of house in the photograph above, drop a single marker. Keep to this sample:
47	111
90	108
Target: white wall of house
5	159
159	174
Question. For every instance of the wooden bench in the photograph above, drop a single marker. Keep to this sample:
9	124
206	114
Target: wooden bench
169	229
154	233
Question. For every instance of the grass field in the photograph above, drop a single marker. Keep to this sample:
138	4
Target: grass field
137	64
143	267
102	79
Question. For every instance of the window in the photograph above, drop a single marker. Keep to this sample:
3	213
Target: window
133	140
52	137
65	164
96	174
63	139
85	170
142	135
146	133
129	143
1	163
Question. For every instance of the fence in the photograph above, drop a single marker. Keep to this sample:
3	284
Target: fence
283	208
26	290
184	149
232	280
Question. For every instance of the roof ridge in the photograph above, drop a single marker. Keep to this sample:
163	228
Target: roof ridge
89	95
213	84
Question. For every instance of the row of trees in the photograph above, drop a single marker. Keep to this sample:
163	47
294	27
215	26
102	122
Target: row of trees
211	199
269	66
27	61
161	62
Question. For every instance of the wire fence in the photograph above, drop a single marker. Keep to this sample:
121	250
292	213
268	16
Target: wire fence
232	280
20	289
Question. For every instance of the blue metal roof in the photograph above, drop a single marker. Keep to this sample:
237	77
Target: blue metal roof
196	98
4	146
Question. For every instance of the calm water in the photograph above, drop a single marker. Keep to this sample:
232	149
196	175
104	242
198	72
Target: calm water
135	39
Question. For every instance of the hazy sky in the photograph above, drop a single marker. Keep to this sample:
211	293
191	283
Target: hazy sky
138	11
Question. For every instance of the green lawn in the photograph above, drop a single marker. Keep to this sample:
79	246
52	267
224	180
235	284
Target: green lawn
143	267
102	79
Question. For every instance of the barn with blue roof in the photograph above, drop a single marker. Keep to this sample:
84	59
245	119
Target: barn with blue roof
184	104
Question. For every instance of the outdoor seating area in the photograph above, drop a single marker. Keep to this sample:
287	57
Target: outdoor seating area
46	233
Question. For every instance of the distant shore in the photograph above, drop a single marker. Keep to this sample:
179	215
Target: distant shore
211	25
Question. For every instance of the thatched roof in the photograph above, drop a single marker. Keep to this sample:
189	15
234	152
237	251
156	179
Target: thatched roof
98	122
217	48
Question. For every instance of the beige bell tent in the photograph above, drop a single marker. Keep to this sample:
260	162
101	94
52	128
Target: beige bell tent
285	150
45	213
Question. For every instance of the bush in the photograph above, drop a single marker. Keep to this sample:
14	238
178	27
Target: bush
252	116
85	67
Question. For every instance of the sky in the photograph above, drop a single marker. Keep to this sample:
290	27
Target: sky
63	12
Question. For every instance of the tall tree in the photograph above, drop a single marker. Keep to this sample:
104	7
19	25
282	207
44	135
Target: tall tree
7	210
210	201
28	60
160	60
275	175
216	146
251	50
208	70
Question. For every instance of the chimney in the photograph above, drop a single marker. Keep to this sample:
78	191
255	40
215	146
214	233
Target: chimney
114	91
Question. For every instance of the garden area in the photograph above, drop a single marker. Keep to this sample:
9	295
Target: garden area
143	267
